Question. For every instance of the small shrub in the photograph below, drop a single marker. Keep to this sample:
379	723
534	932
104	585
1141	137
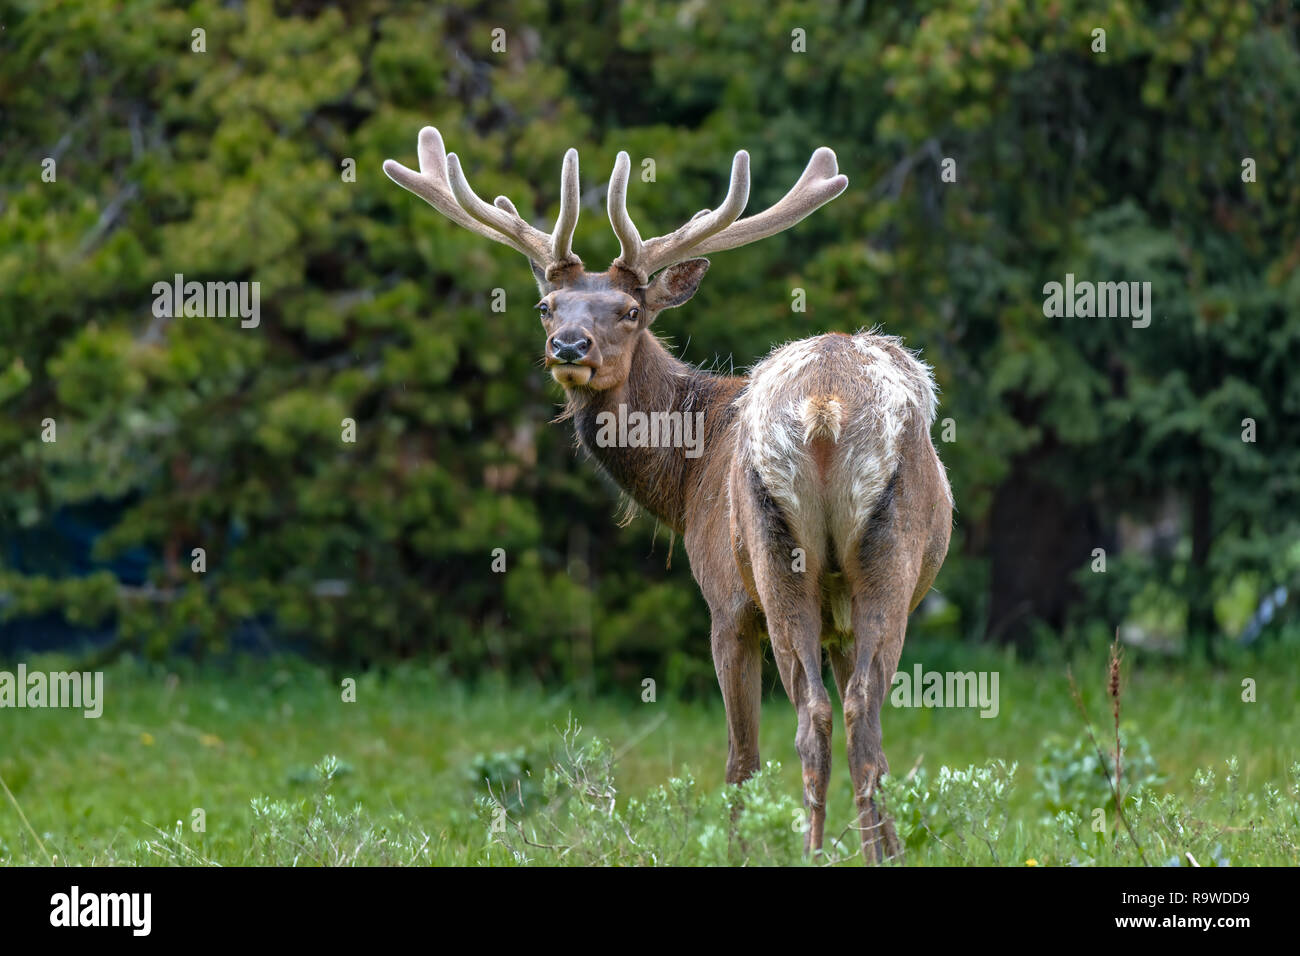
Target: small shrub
963	814
1070	777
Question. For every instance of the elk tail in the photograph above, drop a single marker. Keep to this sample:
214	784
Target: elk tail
822	417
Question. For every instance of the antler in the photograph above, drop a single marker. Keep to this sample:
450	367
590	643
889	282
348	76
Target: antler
442	184
713	231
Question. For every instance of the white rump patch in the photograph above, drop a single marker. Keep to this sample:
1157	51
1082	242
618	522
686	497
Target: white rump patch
861	393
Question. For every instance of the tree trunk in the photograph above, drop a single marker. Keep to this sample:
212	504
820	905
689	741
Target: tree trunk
1038	540
1201	624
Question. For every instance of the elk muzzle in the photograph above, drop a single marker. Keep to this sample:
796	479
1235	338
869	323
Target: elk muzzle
570	358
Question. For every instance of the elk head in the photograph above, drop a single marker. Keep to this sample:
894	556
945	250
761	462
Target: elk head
592	320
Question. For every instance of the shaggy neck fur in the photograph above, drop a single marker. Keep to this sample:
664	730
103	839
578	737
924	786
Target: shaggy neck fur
661	480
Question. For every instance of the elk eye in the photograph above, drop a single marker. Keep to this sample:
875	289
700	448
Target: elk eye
632	314
544	309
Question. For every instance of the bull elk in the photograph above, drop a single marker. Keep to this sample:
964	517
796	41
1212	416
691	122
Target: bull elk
818	510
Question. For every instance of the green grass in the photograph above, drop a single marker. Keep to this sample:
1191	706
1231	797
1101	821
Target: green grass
245	742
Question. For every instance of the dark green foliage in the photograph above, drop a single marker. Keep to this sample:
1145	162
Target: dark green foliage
226	165
508	777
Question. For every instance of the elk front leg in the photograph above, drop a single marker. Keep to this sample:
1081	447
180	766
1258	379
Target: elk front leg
738	662
863	673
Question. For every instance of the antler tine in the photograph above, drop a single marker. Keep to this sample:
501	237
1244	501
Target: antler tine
442	184
820	183
567	221
430	183
715	230
629	240
533	243
665	250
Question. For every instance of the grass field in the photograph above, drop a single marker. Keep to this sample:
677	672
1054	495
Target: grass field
285	772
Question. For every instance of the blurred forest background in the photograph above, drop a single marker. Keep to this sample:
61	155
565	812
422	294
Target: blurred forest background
232	164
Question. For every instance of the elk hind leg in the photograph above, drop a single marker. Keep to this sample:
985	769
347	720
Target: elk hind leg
863	672
791	604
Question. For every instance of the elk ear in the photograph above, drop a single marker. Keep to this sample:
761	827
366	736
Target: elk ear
543	286
675	285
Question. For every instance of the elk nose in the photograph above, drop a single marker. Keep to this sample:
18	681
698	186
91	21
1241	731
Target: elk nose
569	351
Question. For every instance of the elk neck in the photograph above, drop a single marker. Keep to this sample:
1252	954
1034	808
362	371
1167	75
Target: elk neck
661	479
